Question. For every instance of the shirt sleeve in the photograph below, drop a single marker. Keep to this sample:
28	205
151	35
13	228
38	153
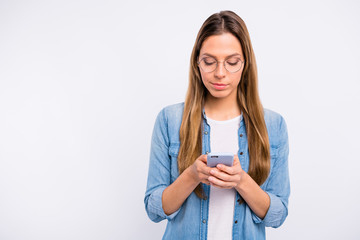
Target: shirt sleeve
278	187
159	171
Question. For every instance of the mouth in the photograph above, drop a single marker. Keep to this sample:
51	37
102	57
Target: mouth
219	86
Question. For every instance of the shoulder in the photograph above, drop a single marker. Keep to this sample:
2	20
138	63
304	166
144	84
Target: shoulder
172	114
272	118
276	127
173	110
170	118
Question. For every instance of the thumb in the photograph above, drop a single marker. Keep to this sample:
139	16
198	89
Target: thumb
203	158
236	159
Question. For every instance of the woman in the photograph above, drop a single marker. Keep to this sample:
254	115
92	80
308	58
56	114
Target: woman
222	113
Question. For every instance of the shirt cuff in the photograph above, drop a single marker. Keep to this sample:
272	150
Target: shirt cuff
275	213
155	202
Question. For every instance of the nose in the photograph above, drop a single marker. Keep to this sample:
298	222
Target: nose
220	70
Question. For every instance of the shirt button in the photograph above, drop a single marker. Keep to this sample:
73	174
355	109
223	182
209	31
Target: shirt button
205	198
241	153
235	221
206	133
204	221
241	135
238	200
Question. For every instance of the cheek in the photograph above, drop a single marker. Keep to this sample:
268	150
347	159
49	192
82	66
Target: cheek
236	79
204	78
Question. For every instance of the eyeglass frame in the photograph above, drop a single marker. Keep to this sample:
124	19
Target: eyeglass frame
217	62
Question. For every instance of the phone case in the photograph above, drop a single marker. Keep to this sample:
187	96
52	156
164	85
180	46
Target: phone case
214	159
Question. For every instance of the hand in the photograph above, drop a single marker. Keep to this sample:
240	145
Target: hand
199	170
226	177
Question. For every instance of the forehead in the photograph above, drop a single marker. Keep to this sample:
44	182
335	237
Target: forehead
221	45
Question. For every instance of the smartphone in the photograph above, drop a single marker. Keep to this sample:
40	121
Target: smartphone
225	158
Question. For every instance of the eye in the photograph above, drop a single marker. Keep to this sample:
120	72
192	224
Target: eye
209	61
233	61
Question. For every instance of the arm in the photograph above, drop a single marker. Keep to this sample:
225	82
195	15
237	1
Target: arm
278	186
162	199
254	196
175	194
159	170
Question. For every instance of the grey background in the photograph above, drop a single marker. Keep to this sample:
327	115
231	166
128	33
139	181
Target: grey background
81	83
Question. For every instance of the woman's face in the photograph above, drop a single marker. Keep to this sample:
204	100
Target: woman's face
221	83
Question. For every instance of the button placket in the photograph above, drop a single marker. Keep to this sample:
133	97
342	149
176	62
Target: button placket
242	146
205	201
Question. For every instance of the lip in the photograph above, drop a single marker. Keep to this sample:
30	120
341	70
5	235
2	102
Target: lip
219	86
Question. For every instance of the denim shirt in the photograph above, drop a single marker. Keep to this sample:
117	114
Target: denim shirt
190	220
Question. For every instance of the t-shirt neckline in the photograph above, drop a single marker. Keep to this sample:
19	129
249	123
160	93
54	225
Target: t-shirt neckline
235	119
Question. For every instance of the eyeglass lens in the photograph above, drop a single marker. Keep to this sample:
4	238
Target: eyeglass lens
209	64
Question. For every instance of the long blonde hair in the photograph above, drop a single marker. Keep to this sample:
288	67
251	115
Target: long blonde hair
247	96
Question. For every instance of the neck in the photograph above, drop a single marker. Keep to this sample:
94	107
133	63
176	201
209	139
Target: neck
221	109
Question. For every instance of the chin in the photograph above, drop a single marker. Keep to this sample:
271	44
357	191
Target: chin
219	94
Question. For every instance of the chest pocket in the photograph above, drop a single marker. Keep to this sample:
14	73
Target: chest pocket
173	153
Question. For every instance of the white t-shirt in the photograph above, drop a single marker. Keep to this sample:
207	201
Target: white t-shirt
223	138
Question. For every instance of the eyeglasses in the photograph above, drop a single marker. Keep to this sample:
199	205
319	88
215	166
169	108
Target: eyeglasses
209	64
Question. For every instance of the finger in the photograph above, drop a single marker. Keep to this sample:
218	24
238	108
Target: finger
221	175
203	176
227	169
200	161
236	160
206	182
203	168
218	186
202	173
203	158
219	183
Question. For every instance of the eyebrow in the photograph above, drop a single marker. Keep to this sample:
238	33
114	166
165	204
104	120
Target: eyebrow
234	54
